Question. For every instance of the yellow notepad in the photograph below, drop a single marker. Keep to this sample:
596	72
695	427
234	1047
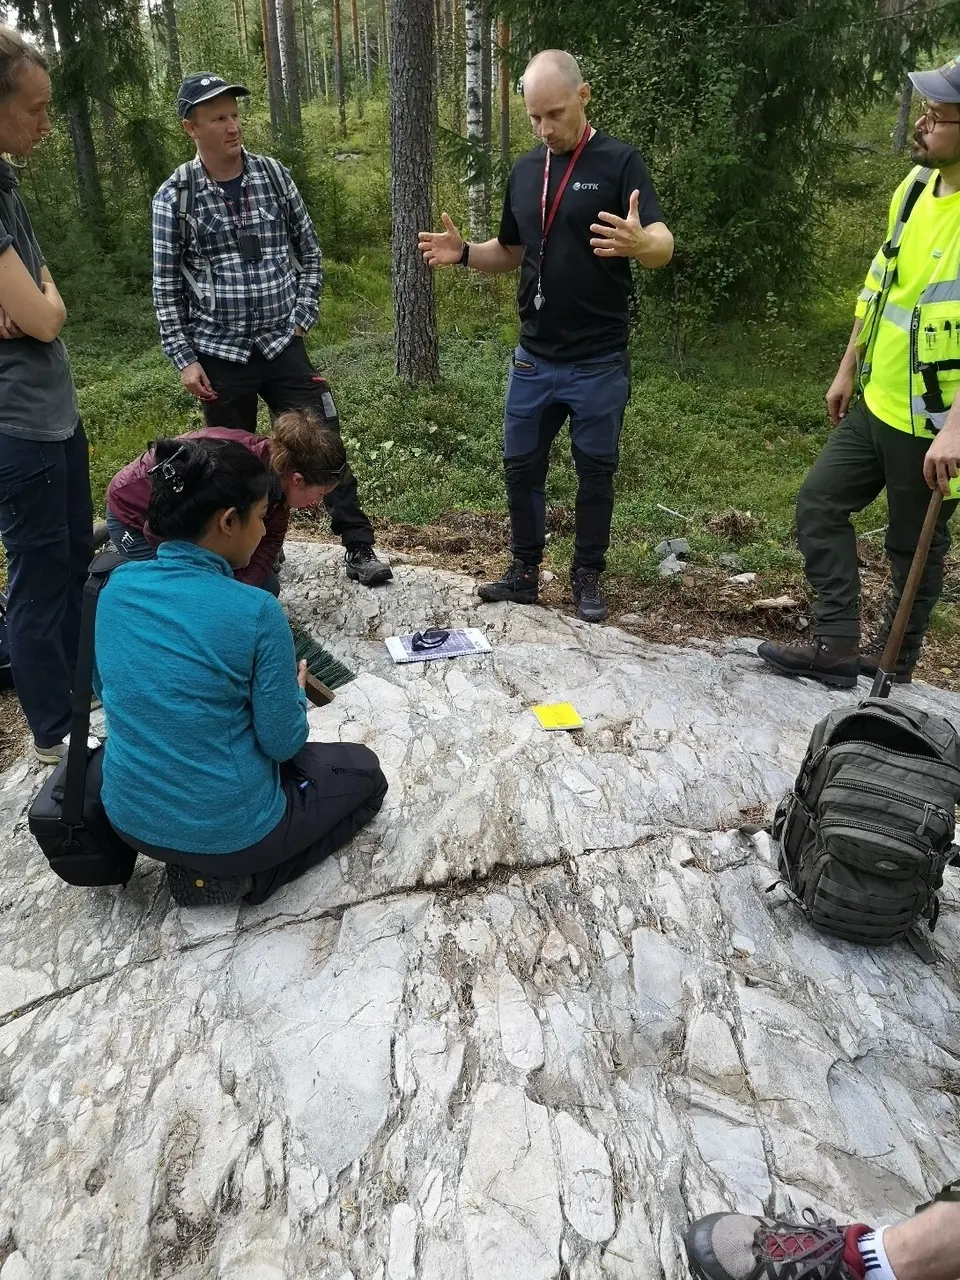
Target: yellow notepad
557	715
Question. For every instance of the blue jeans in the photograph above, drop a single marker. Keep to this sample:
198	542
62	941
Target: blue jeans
541	396
46	523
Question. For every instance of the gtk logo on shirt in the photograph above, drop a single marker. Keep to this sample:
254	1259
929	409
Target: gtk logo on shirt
586	186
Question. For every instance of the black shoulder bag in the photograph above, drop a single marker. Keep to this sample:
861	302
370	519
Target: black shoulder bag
67	818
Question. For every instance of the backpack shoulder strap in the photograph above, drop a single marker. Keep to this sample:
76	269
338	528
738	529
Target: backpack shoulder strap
73	784
281	189
186	187
912	194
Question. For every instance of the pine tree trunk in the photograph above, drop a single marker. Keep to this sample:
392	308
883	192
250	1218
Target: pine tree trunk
338	66
271	57
73	88
291	66
309	85
504	77
355	29
902	128
326	73
412	129
174	66
238	18
473	14
385	22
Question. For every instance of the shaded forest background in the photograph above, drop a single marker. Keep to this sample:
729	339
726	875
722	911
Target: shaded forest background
775	131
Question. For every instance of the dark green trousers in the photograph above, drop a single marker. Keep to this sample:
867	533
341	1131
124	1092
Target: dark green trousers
862	457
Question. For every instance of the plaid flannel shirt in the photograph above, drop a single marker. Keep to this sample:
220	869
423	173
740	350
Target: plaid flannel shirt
255	304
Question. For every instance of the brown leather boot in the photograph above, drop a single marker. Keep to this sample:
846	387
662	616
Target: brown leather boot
832	660
908	659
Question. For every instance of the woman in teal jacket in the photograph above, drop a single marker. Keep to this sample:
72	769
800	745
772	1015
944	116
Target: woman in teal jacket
207	765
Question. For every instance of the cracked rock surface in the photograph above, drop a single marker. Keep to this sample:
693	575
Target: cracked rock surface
537	1015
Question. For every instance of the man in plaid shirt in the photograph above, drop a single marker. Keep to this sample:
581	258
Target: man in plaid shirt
236	281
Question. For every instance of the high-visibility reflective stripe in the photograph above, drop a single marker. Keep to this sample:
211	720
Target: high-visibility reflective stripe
942	291
897	315
867	295
935	419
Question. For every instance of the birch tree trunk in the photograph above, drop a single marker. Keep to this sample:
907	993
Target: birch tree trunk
473	15
902	128
412	131
366	51
326	73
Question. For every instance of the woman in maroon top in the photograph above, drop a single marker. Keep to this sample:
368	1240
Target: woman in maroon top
307	462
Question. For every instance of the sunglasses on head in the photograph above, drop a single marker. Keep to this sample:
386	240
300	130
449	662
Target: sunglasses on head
330	476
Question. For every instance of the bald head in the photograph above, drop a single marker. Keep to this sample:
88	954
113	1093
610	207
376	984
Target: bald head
556	97
554	64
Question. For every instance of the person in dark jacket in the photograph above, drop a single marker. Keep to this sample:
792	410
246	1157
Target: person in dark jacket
207	766
307	462
46	515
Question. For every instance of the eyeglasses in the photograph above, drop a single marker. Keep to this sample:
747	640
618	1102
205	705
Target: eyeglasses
932	119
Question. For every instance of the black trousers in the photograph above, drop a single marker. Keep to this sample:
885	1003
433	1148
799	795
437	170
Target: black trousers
288	381
46	522
862	457
332	789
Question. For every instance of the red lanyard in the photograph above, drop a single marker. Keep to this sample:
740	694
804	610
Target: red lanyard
244	213
546	220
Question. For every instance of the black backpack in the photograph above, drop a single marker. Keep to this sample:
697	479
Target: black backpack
67	818
866	832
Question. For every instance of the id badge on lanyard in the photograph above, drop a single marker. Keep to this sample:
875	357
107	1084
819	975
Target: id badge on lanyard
546	219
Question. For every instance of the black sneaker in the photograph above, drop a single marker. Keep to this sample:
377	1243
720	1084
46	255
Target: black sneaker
830	660
191	889
520	584
364	567
585	584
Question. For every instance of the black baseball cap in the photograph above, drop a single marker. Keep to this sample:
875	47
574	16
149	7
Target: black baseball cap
201	88
942	85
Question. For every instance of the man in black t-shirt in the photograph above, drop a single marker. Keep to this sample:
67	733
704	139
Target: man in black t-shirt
576	209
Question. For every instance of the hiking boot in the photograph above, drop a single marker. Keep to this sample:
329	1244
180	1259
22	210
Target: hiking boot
364	567
54	754
908	659
735	1246
520	584
191	889
832	660
585	584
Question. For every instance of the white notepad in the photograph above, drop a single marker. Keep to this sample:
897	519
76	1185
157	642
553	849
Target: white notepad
459	644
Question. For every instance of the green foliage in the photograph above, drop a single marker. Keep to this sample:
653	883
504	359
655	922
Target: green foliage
740	110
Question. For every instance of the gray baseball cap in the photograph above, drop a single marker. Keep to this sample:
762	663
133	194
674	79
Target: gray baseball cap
942	85
201	88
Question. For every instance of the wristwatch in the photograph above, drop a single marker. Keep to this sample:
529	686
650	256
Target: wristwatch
464	259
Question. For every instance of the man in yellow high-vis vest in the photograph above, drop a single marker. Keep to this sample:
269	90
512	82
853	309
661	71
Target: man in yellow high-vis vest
903	434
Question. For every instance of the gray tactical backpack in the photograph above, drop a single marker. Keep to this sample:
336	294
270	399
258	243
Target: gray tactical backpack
867	830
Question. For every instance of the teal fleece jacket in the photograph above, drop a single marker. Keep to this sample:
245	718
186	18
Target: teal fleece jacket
198	678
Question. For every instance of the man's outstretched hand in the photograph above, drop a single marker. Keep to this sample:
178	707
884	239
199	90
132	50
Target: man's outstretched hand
615	237
441	248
